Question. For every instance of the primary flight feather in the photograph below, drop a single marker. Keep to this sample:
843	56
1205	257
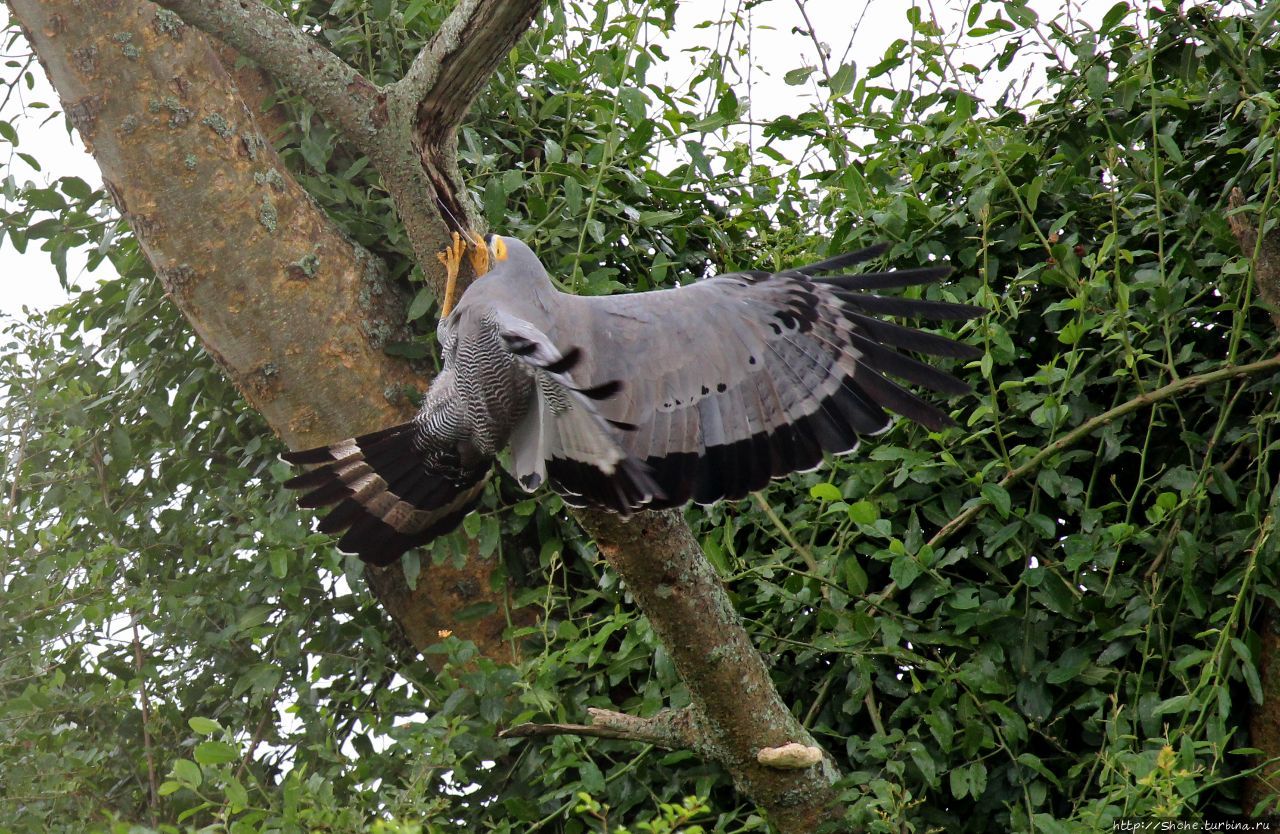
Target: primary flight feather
639	401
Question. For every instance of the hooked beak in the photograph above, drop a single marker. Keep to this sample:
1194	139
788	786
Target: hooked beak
497	247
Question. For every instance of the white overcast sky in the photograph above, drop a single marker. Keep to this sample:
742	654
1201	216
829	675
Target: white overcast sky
860	30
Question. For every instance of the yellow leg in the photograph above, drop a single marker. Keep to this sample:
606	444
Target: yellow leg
451	257
478	255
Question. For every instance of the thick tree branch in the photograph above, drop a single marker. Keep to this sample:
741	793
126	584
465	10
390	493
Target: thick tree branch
738	707
450	72
432	99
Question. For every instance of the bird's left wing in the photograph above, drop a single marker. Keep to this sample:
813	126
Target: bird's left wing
749	376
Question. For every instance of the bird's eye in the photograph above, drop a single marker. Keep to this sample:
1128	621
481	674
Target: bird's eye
499	249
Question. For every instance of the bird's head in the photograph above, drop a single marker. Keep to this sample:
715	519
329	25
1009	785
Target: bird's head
510	250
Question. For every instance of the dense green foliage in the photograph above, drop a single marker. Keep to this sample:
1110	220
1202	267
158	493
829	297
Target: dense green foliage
1083	647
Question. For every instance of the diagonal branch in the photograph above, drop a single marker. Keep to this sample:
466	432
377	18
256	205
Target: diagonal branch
1186	383
729	685
669	729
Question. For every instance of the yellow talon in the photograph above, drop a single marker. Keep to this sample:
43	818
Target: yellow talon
451	257
477	252
479	255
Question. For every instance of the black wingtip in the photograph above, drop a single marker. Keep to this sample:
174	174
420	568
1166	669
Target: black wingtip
320	454
891	279
886	305
847	259
306	480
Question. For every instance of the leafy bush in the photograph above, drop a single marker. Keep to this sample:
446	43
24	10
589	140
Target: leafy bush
1046	618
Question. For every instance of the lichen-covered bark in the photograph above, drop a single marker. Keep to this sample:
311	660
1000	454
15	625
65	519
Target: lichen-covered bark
434	96
738	709
293	311
410	142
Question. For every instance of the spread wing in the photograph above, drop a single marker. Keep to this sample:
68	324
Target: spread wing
753	375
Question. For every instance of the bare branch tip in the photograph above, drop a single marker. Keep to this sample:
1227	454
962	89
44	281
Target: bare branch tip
790	756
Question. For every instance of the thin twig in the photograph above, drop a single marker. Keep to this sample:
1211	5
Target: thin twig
807	556
153	784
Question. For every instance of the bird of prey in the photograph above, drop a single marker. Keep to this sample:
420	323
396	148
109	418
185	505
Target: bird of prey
641	401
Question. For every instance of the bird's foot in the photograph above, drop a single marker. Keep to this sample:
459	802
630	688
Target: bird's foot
451	257
478	255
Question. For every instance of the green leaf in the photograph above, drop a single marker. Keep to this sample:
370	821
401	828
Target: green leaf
187	773
825	492
1021	14
279	563
216	753
1114	15
796	77
855	578
421	304
1176	704
237	796
998	497
842	80
411	564
904	569
863	512
75	187
495	201
254	616
657	219
204	726
1048	824
592	778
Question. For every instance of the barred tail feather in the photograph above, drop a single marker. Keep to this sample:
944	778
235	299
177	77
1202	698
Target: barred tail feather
384	493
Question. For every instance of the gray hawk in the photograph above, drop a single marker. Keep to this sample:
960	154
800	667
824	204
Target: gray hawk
641	401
